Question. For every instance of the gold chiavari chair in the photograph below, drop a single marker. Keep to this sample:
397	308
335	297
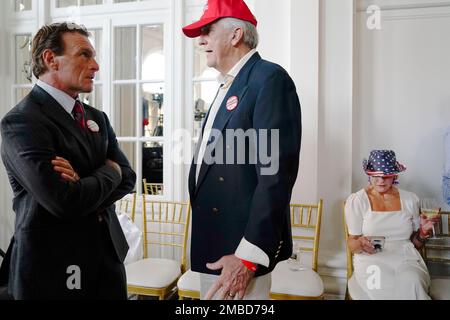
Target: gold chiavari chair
127	205
436	250
189	285
165	228
154	189
305	283
353	290
436	253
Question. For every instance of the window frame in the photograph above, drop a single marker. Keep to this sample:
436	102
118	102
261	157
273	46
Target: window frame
178	95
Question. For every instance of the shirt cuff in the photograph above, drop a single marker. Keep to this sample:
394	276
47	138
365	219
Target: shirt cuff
252	253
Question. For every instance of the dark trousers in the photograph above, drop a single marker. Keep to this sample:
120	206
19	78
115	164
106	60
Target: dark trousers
111	281
101	274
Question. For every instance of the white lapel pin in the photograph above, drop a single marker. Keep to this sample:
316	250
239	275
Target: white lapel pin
232	103
93	126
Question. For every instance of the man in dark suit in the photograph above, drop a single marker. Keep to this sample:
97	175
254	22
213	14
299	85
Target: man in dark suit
66	171
240	200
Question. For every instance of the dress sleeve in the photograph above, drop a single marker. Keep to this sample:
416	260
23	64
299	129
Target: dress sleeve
415	205
354	214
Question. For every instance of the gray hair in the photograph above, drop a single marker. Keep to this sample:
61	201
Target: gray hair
251	37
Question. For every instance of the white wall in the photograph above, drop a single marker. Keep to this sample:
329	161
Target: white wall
403	96
335	124
361	90
304	61
313	40
274	30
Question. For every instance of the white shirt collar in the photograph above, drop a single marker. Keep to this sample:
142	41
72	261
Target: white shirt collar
237	68
66	101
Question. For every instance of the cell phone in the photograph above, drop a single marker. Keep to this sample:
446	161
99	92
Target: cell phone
377	242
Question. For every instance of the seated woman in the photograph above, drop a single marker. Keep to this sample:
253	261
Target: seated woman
382	210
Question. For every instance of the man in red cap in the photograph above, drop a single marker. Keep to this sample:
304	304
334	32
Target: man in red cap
240	223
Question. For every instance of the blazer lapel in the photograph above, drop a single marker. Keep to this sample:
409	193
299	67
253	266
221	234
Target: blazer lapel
95	138
238	89
56	112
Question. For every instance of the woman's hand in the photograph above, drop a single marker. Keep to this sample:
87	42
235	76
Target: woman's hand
426	224
360	244
64	167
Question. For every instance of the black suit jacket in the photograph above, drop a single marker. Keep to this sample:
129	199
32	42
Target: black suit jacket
231	201
56	221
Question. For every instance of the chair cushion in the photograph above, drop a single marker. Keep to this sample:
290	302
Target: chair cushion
287	280
190	280
355	290
439	289
152	273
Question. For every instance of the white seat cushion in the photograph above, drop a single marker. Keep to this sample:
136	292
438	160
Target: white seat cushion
355	290
190	280
306	283
440	289
152	273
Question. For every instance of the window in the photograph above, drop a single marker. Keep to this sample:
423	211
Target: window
139	88
22	73
22	5
119	1
94	98
137	85
69	3
205	88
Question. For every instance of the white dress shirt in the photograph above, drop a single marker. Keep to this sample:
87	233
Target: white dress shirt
225	84
66	101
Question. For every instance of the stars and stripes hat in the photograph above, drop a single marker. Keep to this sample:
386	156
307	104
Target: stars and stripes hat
382	163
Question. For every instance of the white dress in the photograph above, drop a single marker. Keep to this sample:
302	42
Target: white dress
398	272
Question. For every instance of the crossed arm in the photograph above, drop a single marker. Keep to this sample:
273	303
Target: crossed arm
116	160
28	153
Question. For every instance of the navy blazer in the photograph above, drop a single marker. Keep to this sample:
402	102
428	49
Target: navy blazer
56	221
232	201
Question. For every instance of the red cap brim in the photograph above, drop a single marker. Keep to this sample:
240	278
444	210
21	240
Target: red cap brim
194	30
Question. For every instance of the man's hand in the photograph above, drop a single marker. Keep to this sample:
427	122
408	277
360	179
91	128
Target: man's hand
64	167
114	165
234	279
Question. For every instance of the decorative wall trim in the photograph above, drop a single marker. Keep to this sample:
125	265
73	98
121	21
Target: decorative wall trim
126	7
387	5
413	13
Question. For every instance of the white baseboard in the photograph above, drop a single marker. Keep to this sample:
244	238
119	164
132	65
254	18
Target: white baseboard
333	271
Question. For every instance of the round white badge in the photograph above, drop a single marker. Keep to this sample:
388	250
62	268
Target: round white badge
232	103
93	126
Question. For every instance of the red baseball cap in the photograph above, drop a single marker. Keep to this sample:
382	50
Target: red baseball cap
216	9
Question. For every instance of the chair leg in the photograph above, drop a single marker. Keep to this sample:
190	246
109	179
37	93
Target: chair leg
347	295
